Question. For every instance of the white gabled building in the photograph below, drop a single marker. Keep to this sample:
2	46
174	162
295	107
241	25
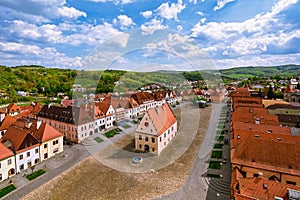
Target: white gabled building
7	163
108	112
155	131
26	148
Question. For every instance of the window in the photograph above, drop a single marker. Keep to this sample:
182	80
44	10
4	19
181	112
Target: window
140	146
21	157
146	138
153	149
55	150
0	177
172	128
160	139
28	154
22	167
290	182
0	165
9	162
45	146
164	134
55	142
153	140
45	155
36	151
140	137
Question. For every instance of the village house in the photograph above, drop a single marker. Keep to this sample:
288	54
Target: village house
24	145
50	140
76	123
107	117
156	130
7	163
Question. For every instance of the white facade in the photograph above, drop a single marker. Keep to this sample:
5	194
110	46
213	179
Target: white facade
51	148
27	158
7	168
166	137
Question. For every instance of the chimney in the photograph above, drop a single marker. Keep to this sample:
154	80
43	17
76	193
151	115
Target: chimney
28	123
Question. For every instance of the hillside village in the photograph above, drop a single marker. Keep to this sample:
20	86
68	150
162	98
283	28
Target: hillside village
263	135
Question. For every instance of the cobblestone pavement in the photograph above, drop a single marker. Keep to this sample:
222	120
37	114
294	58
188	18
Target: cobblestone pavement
197	186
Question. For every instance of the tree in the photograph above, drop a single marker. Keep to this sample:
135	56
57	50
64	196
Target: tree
270	92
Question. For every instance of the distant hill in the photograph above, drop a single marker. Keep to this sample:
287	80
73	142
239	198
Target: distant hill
262	71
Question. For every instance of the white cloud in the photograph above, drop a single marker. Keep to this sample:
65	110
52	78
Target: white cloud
252	36
124	21
146	14
193	1
22	54
200	13
152	26
221	4
170	11
41	10
116	2
64	33
70	12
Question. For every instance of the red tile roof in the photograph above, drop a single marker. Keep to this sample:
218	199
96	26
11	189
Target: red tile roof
13	107
44	132
5	152
280	156
162	118
264	189
20	138
7	122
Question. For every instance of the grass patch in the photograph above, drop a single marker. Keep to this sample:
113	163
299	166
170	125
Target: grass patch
218	146
35	174
126	126
110	133
98	139
220	132
214	175
217	154
214	164
220	138
6	190
134	122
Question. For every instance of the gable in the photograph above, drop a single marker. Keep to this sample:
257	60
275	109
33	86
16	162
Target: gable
147	126
28	141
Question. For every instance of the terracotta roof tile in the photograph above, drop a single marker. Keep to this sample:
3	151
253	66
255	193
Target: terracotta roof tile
264	189
282	156
44	132
7	122
5	152
162	117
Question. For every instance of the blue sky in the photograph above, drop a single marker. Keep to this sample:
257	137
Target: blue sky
67	33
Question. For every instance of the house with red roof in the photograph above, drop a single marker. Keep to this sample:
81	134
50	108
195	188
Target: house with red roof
108	113
24	145
7	163
156	130
51	140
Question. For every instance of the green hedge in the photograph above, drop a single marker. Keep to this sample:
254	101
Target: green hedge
6	190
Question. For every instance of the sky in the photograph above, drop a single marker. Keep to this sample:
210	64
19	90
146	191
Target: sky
131	34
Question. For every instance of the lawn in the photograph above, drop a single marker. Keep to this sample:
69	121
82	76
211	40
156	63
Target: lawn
218	146
98	139
214	175
110	133
35	174
217	154
220	138
134	122
126	126
221	126
220	132
214	164
6	190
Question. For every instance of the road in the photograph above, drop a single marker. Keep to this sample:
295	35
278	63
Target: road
196	187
